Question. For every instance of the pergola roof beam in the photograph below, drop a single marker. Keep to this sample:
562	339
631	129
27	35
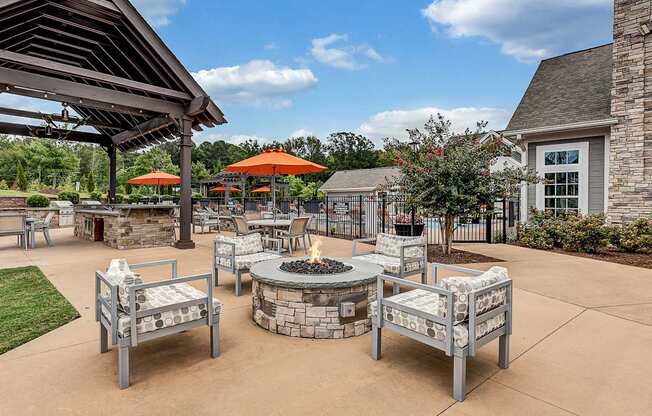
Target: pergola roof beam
55	117
46	84
45	64
142	129
76	136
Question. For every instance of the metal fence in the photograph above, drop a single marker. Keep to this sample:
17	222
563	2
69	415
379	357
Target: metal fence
360	216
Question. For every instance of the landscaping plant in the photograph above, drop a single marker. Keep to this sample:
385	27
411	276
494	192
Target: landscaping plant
635	237
37	201
71	196
448	175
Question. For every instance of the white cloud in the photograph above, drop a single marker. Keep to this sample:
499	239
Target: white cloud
211	136
158	12
526	29
270	46
256	82
301	133
335	50
394	123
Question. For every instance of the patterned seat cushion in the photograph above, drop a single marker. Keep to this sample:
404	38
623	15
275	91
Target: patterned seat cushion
434	330
244	244
164	296
392	265
120	274
463	286
247	260
390	245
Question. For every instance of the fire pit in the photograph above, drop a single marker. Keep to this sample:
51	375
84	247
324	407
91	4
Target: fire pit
314	297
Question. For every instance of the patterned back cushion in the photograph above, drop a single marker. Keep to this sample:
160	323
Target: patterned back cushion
244	244
462	286
120	274
390	245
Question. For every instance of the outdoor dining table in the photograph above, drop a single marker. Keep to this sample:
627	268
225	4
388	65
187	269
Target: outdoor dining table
270	224
31	232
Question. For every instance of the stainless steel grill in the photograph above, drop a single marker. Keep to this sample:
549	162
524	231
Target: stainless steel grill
66	212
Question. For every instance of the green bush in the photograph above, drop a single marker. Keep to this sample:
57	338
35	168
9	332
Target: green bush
134	198
635	237
197	195
37	201
71	196
3	185
535	236
96	195
21	178
119	198
585	233
153	199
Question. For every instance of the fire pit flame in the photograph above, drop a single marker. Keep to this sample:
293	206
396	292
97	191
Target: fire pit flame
315	253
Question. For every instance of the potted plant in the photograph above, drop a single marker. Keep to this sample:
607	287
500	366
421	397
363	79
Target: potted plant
403	225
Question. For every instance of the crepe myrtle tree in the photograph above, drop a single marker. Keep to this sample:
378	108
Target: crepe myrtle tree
447	175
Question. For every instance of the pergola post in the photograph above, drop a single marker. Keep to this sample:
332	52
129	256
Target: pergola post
185	147
111	150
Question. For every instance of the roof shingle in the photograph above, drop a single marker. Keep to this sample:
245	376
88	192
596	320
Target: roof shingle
359	179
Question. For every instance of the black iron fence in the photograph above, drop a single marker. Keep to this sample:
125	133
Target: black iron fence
360	216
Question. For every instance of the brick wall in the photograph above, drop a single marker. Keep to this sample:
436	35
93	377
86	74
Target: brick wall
630	161
13	202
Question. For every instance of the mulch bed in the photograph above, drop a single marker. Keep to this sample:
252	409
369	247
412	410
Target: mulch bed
612	256
435	255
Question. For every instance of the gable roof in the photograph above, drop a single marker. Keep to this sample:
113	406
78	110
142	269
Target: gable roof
567	89
359	179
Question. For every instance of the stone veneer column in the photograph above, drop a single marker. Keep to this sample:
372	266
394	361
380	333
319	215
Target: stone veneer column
630	159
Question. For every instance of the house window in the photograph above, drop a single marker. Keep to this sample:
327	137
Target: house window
564	157
562	192
564	169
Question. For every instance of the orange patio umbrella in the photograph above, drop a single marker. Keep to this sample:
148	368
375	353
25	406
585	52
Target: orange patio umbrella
156	178
262	190
274	162
222	188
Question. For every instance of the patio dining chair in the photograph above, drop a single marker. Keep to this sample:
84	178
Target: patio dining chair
242	226
298	231
457	315
14	224
44	227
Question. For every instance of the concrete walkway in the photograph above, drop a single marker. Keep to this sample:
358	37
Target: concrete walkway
582	345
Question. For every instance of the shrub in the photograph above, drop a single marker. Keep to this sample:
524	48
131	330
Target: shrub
535	236
134	198
635	237
167	198
71	196
3	185
37	201
96	195
119	198
585	234
21	178
197	195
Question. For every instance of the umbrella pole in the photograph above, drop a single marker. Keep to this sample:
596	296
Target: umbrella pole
274	194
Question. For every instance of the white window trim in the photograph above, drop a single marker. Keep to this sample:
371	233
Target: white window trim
582	167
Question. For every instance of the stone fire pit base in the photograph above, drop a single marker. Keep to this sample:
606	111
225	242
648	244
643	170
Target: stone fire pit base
312	313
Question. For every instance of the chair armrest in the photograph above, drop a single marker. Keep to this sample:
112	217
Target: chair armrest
112	306
157	263
134	314
475	319
276	242
466	270
371	240
231	256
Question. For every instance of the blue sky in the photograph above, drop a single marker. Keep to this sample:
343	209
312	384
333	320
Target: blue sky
278	68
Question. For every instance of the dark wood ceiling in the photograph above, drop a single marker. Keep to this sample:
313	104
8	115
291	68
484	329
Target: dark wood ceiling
102	59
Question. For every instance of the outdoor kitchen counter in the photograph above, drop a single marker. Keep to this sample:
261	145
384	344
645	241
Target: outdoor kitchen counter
126	226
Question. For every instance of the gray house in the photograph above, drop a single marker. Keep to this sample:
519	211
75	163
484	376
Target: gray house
358	181
585	122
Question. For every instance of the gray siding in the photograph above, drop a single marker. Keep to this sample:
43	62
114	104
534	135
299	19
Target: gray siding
596	171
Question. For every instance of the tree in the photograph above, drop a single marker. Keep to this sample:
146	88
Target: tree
348	150
21	179
199	171
448	176
90	182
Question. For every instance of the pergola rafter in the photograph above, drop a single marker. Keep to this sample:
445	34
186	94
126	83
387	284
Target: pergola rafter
102	59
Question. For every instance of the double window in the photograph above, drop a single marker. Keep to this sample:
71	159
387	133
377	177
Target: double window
564	169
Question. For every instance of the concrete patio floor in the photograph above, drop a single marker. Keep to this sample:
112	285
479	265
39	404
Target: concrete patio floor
582	345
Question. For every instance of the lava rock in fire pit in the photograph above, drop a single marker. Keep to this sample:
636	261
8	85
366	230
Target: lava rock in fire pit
326	266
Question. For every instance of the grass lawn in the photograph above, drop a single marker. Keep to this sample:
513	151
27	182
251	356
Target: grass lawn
13	193
29	307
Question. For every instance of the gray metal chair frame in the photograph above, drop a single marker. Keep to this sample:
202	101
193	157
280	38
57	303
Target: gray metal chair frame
448	345
297	231
203	219
43	226
9	225
233	270
242	226
212	320
404	261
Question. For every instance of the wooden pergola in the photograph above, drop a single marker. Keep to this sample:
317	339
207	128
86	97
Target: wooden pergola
104	61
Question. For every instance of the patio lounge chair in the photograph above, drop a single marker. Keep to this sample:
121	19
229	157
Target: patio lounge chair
400	256
458	316
14	224
237	254
132	311
202	219
298	231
